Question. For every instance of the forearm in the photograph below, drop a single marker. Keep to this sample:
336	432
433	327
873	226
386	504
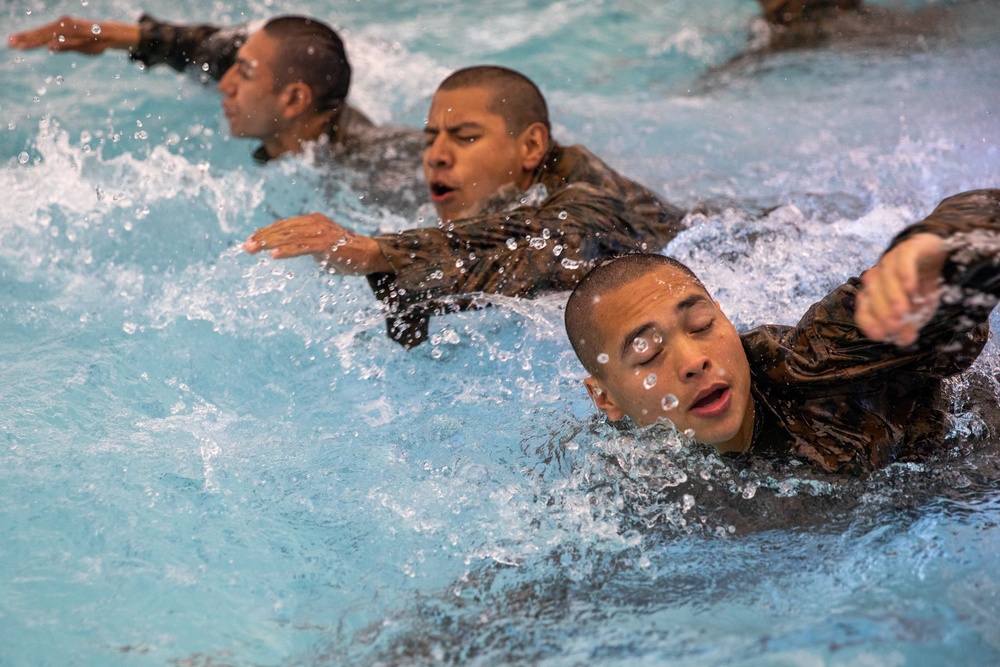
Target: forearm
209	48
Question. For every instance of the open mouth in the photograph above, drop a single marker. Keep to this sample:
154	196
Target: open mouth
710	399
440	190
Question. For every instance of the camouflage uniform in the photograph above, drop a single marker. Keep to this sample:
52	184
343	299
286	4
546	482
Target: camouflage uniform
788	12
828	395
387	158
589	212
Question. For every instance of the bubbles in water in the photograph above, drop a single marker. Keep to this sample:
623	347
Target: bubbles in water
603	358
669	402
650	381
96	29
640	345
23	157
129	328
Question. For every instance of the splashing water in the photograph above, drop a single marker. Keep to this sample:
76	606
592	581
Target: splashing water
212	458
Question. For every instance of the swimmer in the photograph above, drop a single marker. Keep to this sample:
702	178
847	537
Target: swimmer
519	213
791	24
272	80
284	84
851	388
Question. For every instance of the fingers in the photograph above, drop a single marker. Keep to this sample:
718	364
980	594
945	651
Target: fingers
304	235
900	294
54	35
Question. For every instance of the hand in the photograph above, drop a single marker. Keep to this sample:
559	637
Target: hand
901	293
72	34
338	249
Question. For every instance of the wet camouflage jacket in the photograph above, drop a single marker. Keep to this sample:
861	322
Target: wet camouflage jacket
386	158
828	395
589	212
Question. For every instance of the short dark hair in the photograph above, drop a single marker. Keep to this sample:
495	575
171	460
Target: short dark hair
606	277
311	52
515	97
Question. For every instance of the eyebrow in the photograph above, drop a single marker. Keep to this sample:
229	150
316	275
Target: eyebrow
684	304
452	129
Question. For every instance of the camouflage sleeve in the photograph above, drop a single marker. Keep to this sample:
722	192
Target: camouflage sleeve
785	12
827	347
211	49
516	253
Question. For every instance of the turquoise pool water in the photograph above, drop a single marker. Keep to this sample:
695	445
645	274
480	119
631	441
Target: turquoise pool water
212	459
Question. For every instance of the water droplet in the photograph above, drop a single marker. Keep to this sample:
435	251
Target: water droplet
538	243
563	215
96	29
570	264
23	158
689	433
640	345
512	244
603	358
669	402
557	250
650	381
129	328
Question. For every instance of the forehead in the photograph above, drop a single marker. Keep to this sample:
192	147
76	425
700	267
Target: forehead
651	298
463	105
259	51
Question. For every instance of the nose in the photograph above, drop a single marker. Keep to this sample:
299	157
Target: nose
226	82
438	154
692	361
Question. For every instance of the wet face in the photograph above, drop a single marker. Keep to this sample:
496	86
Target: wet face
468	152
672	354
250	103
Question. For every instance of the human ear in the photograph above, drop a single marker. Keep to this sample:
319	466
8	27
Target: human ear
534	142
602	399
298	99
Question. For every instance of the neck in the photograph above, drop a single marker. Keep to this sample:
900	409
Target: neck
300	131
744	437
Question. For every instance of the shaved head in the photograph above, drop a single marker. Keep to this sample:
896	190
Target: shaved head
515	98
609	276
311	52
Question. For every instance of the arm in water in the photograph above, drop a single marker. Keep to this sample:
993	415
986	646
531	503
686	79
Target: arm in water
943	261
211	49
79	35
336	248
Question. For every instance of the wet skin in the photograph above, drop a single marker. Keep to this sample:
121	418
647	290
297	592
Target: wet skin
671	353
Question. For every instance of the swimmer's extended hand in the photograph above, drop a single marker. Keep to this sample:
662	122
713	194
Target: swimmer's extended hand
80	35
338	249
901	293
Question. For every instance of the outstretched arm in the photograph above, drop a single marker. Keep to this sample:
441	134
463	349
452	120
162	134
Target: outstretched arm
940	273
80	35
901	293
336	248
